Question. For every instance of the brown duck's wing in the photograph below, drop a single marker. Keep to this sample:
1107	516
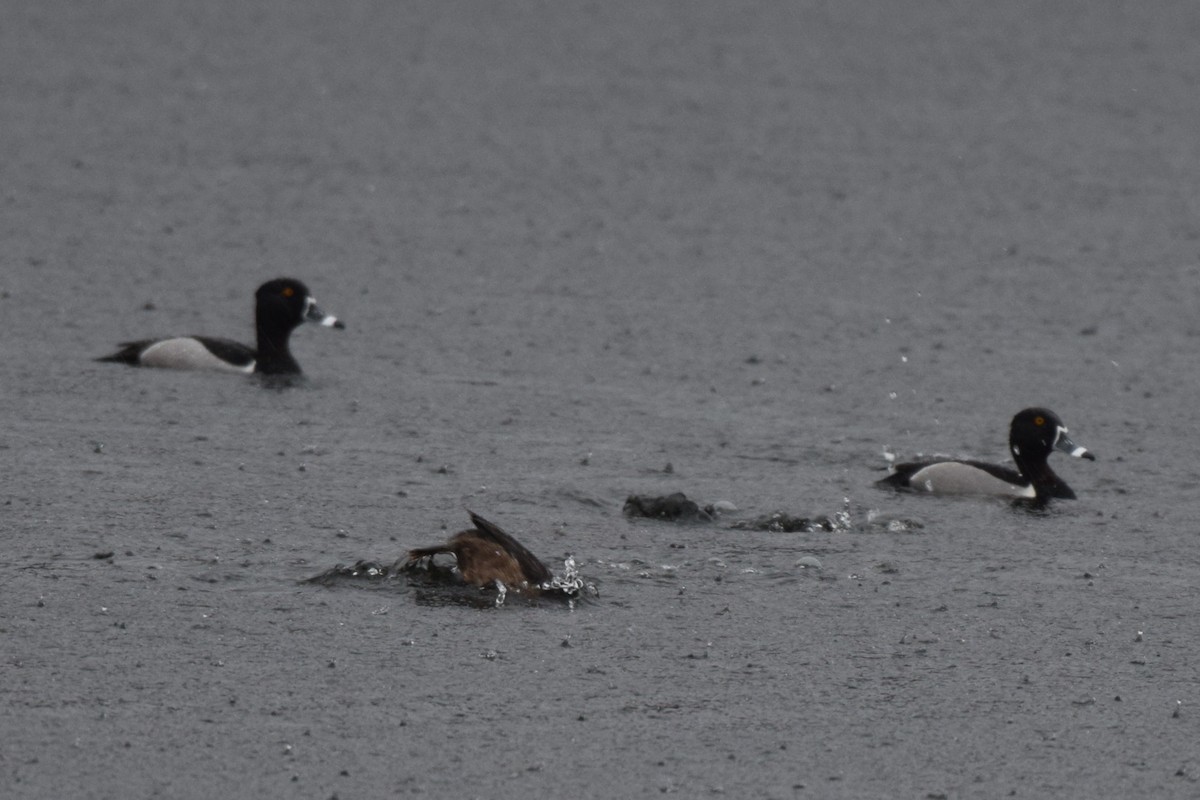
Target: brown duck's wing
534	570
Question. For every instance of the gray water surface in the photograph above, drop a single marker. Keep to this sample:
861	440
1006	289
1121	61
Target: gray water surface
763	244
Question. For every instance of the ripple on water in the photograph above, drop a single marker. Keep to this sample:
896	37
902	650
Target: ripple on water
439	584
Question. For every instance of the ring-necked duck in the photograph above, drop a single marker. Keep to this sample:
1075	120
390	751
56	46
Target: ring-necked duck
1034	435
279	306
487	556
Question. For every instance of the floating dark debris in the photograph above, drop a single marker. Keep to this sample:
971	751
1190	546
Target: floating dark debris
363	570
782	522
673	507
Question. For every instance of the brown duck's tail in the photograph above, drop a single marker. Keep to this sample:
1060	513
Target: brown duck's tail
534	570
425	552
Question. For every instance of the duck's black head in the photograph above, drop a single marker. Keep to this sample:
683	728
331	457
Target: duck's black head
281	305
1038	432
284	303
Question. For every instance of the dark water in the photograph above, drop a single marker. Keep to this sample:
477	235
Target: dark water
574	244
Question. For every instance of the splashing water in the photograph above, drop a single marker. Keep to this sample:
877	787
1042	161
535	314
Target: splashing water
842	520
889	522
570	583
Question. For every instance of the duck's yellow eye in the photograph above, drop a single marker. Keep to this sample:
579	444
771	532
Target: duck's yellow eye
1039	421
289	291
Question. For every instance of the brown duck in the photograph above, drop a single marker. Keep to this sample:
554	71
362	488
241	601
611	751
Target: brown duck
487	556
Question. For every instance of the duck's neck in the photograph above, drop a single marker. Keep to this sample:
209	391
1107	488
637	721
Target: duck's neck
274	357
1045	482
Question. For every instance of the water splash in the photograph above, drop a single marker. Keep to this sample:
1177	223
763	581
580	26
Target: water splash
890	522
842	520
570	584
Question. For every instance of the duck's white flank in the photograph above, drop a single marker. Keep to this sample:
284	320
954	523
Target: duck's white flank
186	353
952	477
